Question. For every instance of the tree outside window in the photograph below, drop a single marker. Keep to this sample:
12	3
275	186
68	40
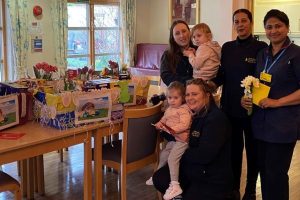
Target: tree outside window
93	46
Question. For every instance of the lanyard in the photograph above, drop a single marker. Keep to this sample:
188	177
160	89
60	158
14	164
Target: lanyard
273	63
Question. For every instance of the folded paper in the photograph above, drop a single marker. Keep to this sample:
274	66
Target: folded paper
259	93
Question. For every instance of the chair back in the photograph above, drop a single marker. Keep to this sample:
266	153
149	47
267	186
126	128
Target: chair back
8	183
140	137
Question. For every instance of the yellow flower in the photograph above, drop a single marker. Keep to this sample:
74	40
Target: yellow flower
248	83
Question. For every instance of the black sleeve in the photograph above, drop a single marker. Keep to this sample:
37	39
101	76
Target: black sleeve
183	72
166	73
219	79
296	63
215	133
167	136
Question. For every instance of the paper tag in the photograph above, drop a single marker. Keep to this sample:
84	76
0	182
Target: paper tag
260	93
11	136
265	77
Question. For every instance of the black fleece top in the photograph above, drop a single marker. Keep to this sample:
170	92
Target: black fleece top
238	60
184	70
207	160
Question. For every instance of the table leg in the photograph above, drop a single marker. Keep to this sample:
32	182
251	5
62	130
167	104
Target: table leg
30	178
98	165
19	167
23	172
88	168
35	175
40	174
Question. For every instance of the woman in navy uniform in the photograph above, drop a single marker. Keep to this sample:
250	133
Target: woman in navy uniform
276	121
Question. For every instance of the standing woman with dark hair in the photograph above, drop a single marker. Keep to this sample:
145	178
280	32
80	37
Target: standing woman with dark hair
276	121
174	66
238	60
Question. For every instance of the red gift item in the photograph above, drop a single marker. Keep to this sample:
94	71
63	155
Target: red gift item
71	73
170	130
11	136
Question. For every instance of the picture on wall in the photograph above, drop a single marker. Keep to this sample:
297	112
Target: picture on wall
9	111
93	108
187	10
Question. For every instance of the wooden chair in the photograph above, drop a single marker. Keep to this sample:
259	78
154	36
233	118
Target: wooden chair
8	183
139	146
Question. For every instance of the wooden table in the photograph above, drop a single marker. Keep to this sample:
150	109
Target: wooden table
39	140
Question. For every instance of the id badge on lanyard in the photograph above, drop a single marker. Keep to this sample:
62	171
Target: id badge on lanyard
265	77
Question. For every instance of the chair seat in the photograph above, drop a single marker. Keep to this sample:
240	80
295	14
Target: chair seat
7	182
112	152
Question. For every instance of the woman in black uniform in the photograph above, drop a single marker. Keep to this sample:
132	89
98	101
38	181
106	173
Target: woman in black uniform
238	60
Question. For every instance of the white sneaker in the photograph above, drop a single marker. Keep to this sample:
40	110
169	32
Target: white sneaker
149	181
173	190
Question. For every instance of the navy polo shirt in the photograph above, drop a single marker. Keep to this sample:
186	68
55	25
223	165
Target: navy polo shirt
238	60
279	125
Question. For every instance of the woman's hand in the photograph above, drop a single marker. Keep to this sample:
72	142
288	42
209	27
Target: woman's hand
246	103
269	103
189	52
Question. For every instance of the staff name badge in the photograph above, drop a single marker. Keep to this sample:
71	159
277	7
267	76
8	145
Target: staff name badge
265	77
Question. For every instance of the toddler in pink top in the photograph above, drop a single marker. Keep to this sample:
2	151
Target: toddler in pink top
206	59
176	121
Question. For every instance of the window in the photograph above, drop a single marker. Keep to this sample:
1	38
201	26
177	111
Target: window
97	45
78	35
107	34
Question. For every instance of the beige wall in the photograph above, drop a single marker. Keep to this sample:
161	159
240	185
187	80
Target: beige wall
45	21
142	20
217	14
153	23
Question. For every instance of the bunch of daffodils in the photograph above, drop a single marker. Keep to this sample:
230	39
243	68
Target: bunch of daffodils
248	83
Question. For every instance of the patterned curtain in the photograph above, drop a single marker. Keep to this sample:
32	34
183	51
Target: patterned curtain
18	13
59	11
128	20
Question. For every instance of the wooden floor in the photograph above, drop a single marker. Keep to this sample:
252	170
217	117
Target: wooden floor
64	179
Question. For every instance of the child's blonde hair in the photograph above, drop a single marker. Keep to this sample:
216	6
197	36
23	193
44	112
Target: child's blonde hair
176	85
203	28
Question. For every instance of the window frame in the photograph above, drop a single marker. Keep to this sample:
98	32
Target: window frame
3	60
91	55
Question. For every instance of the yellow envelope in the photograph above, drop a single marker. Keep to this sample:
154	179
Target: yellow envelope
260	93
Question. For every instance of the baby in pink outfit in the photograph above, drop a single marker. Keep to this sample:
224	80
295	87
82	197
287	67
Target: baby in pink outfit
176	121
206	60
